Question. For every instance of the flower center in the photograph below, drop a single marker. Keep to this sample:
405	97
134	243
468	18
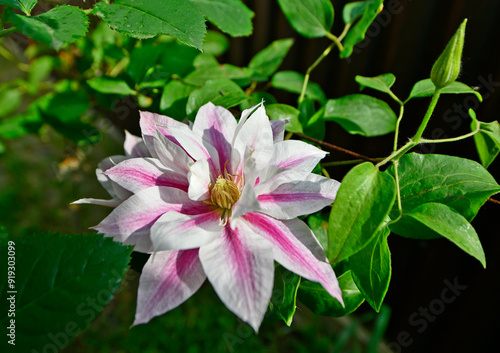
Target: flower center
225	192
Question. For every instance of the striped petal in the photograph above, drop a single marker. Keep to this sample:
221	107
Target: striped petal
137	174
177	231
168	279
115	190
199	180
108	203
216	126
297	249
239	265
290	200
131	221
134	146
170	154
150	122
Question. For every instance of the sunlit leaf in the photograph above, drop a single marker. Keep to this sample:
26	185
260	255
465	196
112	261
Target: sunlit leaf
292	81
268	60
311	18
425	88
23	5
231	16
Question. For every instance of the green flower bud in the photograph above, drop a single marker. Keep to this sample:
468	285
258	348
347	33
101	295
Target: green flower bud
447	67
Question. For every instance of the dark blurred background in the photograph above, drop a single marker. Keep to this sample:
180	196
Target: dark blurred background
406	39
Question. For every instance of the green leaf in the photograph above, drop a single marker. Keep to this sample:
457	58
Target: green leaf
10	100
487	139
318	223
382	83
61	25
23	5
353	10
357	33
363	202
371	269
292	81
174	99
425	88
110	85
240	75
215	43
221	91
311	18
21	124
461	184
178	59
148	18
283	111
257	97
361	114
231	16
322	303
284	297
68	278
452	225
142	59
268	60
315	126
62	111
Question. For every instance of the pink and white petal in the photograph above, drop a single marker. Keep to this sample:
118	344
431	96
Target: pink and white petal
255	136
296	155
170	154
199	180
239	265
114	190
135	216
150	122
168	279
295	199
108	203
278	127
243	118
177	231
296	248
137	174
134	146
216	126
195	147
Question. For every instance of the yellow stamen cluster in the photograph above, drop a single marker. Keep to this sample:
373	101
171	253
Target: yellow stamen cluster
225	192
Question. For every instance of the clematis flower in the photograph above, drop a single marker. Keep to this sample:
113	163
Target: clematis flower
220	201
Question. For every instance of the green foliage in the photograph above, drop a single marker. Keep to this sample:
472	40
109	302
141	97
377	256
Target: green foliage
382	83
425	88
24	5
283	111
363	202
231	16
148	18
110	85
57	27
284	298
487	139
450	224
267	61
353	11
310	18
292	81
371	269
361	114
67	278
321	303
357	33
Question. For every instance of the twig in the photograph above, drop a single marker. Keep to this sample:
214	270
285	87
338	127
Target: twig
494	201
337	148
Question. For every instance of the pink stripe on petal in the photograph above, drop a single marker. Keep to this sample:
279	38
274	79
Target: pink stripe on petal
176	231
168	279
134	217
290	200
240	266
297	155
216	126
296	248
137	174
150	122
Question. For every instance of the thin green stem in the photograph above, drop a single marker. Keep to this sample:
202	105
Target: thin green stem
451	139
398	122
335	40
397	154
398	190
428	114
6	31
344	32
312	67
349	162
88	11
